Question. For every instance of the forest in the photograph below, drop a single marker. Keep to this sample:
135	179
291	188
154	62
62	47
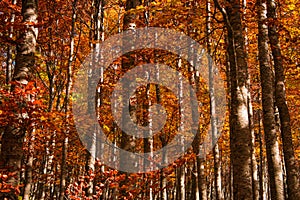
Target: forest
150	99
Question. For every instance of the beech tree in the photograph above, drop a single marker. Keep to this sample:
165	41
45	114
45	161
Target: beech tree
240	129
292	169
267	83
13	137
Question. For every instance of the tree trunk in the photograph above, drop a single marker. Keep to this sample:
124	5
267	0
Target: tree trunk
9	60
266	76
255	182
12	139
240	135
292	170
262	188
65	144
213	119
240	139
97	18
127	142
200	162
29	167
163	180
181	189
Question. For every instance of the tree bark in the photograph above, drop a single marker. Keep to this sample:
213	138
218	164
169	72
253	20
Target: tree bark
10	51
266	77
240	139
65	144
127	142
13	137
213	119
292	170
97	18
29	168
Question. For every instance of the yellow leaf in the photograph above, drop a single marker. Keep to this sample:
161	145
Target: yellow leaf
291	6
43	118
140	7
106	128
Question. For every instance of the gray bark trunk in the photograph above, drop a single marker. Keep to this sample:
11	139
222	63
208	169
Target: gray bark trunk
292	170
65	144
127	142
266	73
13	137
240	129
213	119
9	61
29	167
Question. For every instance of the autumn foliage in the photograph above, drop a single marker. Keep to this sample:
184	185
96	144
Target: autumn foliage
41	110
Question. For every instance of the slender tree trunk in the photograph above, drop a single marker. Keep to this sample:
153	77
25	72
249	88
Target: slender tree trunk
262	158
196	146
128	23
254	173
180	186
127	142
180	193
29	167
97	36
292	170
228	83
63	174
9	61
163	181
195	184
255	185
200	176
266	73
254	169
213	119
182	167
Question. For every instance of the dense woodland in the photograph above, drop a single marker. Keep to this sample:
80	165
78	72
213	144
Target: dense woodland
254	47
